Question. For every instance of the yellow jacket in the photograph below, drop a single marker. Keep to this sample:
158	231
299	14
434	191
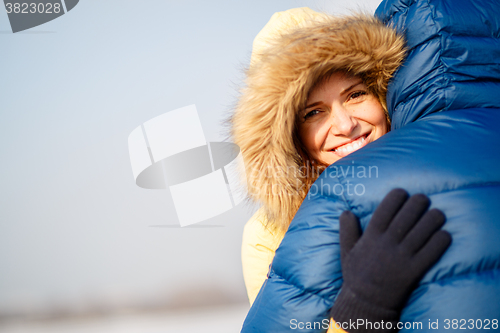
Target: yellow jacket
257	253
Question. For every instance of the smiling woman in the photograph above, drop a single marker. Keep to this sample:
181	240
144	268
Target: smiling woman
314	95
315	92
325	266
341	116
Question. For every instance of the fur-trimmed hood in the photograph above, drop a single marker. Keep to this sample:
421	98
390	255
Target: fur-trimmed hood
277	86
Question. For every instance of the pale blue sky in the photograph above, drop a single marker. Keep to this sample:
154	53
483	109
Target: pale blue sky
75	231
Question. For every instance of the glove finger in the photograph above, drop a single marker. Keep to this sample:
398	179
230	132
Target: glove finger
427	226
408	216
386	211
350	232
432	251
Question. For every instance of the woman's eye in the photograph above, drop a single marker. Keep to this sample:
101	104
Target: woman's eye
357	94
311	113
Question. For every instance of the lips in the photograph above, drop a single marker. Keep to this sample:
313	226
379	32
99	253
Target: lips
349	147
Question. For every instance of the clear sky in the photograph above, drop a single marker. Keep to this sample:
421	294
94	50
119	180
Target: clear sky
75	231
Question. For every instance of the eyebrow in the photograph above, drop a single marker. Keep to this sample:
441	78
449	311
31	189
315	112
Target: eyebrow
342	92
313	105
351	86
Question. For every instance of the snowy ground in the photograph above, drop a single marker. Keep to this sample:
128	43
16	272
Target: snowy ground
221	319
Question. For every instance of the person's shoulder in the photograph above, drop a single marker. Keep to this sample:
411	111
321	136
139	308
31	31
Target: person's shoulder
258	232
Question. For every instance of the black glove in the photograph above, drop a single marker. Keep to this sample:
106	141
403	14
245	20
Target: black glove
383	266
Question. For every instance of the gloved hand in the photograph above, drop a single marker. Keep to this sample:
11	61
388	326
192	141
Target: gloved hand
382	267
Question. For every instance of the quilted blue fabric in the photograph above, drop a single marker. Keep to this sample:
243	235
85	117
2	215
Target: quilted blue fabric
445	142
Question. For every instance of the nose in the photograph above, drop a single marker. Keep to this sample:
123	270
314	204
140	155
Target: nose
342	121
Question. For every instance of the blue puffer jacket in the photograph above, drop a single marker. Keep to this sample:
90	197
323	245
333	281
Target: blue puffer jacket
445	142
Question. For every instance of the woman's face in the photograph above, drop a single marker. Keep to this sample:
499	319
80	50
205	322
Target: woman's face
341	116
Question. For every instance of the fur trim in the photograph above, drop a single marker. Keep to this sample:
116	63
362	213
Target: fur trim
277	87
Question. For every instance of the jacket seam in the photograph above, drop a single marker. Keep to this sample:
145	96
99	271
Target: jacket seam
305	290
466	187
460	276
449	190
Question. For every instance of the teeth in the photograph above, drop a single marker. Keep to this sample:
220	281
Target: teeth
351	147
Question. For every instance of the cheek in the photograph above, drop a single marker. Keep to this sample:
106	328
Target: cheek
383	123
377	117
310	136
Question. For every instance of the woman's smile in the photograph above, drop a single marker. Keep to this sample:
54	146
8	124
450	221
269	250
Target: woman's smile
350	146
